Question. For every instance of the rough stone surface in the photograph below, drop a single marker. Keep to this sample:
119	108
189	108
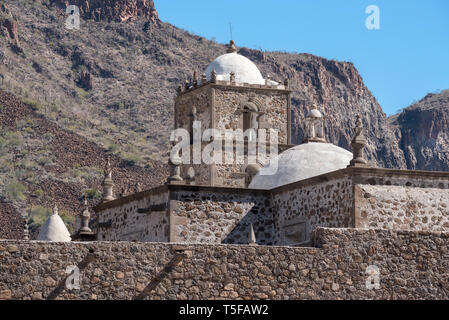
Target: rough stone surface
300	209
221	217
412	265
113	10
220	106
347	198
423	132
125	223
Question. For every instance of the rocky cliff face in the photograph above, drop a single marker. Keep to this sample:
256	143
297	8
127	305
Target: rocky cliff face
423	132
114	83
113	10
42	165
338	90
9	29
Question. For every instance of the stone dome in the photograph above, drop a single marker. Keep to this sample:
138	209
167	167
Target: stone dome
54	230
301	162
244	69
314	113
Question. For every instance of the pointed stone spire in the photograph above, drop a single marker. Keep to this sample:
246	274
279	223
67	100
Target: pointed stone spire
358	143
267	80
187	85
195	79
252	236
232	77
213	78
26	232
138	187
108	184
231	47
55	210
286	83
174	161
203	78
190	176
85	218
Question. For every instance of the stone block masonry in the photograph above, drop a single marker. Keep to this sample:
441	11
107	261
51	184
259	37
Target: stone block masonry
411	264
348	198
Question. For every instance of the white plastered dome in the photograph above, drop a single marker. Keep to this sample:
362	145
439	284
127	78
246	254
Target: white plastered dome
54	229
244	69
302	162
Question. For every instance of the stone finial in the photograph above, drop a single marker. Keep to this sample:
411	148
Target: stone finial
187	85
252	236
174	162
194	113
190	176
267	80
26	232
108	184
85	218
231	47
213	76
286	83
232	77
195	79
203	78
179	89
55	210
358	143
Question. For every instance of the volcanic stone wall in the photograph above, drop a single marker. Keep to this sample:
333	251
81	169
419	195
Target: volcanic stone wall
221	215
403	200
346	264
273	106
139	218
324	201
220	106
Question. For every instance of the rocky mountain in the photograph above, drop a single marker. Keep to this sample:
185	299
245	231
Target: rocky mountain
111	10
114	82
42	165
108	89
423	132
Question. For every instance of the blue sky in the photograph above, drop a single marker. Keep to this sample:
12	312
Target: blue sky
400	63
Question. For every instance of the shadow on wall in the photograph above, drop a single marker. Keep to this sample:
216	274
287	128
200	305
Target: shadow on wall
263	225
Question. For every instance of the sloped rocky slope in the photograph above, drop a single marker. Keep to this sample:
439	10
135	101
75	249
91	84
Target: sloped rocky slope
38	155
134	68
423	132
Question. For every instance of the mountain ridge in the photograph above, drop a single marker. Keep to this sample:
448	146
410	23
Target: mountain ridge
110	86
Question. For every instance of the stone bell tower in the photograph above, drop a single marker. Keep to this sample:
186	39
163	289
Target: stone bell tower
231	95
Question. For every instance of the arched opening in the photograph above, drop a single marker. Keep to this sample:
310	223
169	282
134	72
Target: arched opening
250	119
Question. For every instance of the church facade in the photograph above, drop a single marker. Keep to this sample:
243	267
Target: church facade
316	184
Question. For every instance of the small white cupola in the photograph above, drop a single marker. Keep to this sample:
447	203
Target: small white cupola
314	126
54	229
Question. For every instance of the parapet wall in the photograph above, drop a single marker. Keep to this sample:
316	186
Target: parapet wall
348	198
411	265
323	201
220	215
402	200
143	217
